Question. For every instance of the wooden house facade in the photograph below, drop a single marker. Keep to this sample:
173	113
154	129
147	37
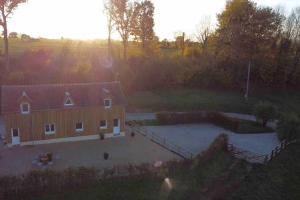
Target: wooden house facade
41	114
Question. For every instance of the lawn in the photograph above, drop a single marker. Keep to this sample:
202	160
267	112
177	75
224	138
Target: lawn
214	100
280	179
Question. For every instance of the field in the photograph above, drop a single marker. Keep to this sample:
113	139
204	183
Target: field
213	100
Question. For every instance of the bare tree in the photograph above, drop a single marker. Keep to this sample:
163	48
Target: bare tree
122	16
292	25
204	30
108	11
6	8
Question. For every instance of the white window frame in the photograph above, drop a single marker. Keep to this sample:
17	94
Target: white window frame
50	132
21	107
110	103
69	98
81	129
103	127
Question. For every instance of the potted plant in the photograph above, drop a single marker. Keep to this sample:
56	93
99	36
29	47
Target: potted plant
49	155
105	155
102	137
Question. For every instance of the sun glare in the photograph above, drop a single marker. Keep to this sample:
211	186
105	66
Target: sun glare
61	18
84	19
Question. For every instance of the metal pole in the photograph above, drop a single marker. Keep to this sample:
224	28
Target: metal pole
248	81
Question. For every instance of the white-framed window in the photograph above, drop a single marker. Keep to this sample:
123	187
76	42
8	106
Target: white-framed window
25	108
79	127
49	129
69	102
103	124
107	103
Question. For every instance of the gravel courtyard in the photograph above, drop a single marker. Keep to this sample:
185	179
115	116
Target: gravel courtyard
197	137
122	150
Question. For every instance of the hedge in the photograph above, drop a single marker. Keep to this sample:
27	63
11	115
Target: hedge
216	118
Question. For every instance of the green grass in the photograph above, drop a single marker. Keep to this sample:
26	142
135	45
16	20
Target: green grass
214	100
278	180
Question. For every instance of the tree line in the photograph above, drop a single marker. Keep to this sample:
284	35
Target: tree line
246	34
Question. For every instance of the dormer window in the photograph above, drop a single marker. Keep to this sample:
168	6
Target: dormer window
107	103
68	100
25	108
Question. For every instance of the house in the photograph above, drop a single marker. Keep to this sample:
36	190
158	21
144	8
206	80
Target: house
50	113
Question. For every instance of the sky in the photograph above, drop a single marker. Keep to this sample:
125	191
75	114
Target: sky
84	19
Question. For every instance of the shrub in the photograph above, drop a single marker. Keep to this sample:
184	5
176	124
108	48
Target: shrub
265	112
288	127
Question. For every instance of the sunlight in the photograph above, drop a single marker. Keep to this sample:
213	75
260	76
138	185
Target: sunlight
85	19
61	18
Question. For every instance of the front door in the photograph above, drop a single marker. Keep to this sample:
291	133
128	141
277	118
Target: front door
15	136
116	127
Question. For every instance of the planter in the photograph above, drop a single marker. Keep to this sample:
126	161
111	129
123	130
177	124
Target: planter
102	137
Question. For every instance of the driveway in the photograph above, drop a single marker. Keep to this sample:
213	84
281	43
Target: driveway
123	151
197	137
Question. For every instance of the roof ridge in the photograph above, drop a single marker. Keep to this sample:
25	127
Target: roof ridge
62	84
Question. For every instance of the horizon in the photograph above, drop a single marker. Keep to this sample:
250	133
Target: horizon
35	18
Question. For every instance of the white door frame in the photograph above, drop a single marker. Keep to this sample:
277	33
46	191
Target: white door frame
15	140
117	129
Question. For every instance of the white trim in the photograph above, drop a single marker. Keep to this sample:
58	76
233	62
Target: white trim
69	104
68	139
12	136
50	132
21	107
103	127
79	129
110	103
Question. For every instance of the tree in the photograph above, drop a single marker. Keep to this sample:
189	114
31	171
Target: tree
6	8
108	9
13	35
246	33
144	23
204	30
288	127
25	37
265	112
122	16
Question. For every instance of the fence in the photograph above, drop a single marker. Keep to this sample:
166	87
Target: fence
246	155
256	158
161	141
283	145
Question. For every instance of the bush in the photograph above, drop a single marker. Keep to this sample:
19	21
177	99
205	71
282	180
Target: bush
216	118
265	112
288	127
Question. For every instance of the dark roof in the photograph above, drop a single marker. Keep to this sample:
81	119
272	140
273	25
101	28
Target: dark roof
52	96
